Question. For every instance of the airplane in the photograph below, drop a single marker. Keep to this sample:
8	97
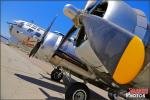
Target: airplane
25	32
111	49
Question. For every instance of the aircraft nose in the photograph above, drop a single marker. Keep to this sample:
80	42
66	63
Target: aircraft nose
10	28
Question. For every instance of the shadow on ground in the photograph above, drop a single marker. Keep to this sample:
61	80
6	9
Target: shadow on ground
93	96
48	96
41	83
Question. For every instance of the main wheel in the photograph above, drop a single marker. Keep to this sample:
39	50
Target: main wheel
112	96
56	75
77	91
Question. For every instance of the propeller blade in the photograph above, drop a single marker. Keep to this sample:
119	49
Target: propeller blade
71	14
47	30
35	49
38	45
70	32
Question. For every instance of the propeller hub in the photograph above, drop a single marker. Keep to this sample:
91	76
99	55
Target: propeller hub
74	13
71	11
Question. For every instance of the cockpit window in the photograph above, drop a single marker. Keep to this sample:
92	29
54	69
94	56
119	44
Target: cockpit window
21	24
42	29
29	24
37	34
34	27
38	29
29	30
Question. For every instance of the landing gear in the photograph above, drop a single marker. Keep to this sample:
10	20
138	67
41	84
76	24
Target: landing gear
56	75
112	95
77	91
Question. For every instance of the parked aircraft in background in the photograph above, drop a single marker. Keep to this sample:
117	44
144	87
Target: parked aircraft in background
25	34
111	49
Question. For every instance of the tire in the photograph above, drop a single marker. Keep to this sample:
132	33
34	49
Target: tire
77	91
55	73
112	96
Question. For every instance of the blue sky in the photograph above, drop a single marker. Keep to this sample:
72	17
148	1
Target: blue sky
42	12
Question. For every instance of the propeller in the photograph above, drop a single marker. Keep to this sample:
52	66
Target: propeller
37	46
97	31
74	10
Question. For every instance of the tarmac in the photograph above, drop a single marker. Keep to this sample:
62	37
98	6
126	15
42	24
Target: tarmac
29	78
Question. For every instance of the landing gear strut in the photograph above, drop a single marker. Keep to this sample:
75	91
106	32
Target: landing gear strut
77	91
56	74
